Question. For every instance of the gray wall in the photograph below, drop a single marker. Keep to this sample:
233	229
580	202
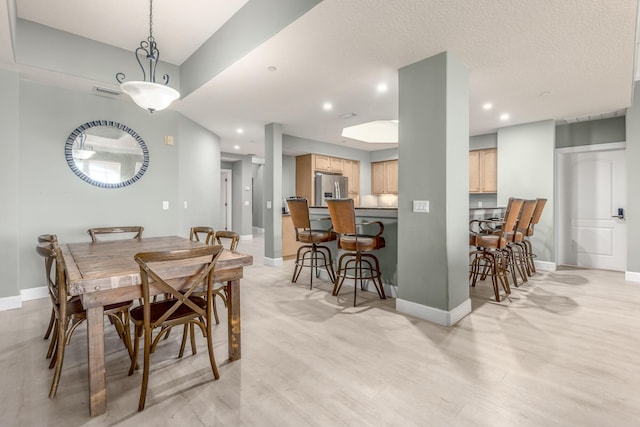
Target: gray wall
51	199
258	195
633	178
526	170
592	132
9	212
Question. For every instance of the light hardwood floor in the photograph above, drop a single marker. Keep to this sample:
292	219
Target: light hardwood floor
566	352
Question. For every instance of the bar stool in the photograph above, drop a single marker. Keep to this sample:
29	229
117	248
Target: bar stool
312	254
537	213
357	262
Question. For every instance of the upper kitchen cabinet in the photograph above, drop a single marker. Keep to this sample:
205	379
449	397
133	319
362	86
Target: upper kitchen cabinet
384	177
483	171
307	166
328	164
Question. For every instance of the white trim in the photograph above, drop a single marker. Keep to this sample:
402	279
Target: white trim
631	276
273	262
435	315
10	303
545	265
34	293
258	229
246	236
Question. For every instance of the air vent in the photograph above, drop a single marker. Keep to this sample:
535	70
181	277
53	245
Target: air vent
595	116
347	115
105	91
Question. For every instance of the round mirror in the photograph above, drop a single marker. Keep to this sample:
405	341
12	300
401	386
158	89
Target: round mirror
106	154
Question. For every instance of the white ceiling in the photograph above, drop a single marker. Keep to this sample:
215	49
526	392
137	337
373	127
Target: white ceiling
533	59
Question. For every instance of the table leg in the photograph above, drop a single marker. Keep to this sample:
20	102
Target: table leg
233	313
97	375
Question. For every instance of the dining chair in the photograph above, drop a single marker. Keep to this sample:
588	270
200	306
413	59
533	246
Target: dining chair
69	313
491	257
357	262
182	308
205	235
312	254
96	231
48	264
229	239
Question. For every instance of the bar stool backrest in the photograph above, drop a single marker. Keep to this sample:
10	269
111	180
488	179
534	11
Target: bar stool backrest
343	215
526	216
299	209
512	215
537	213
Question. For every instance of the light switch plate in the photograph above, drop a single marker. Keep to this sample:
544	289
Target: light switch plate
421	206
268	204
165	205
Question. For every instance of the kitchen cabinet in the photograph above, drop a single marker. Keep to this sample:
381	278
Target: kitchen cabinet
328	164
289	243
483	171
308	164
384	177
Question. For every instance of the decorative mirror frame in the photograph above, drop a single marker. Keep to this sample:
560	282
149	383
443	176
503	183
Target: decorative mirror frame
68	153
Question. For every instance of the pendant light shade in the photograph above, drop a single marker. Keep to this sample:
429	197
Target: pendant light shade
149	95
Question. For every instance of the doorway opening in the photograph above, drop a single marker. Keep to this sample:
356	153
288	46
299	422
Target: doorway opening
225	199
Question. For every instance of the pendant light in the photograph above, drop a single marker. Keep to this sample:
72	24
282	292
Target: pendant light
149	94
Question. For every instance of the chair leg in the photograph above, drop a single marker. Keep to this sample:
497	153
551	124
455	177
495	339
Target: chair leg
215	309
136	338
185	331
52	343
145	372
378	275
212	358
52	320
59	358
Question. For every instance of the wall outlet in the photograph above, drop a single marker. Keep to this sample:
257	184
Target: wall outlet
165	205
168	140
268	204
185	204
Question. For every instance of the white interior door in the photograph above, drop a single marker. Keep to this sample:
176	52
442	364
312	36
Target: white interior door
591	189
225	199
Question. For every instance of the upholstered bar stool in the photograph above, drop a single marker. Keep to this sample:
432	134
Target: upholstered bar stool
312	254
491	256
356	262
537	213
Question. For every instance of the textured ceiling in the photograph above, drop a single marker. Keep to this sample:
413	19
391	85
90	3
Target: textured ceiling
536	60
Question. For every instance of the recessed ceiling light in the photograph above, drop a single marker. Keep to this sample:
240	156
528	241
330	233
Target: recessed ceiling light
240	130
505	116
487	106
237	147
327	106
382	88
272	68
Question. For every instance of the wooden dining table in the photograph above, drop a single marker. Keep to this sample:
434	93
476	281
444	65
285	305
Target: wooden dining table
105	272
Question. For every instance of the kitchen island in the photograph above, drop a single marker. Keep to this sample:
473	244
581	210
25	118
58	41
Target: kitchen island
387	256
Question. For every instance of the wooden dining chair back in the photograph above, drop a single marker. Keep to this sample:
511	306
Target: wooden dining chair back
357	261
69	313
228	239
205	235
96	231
182	308
312	253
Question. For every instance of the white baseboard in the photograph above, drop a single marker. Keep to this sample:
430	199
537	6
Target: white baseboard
631	276
435	315
246	236
273	262
34	293
545	265
10	303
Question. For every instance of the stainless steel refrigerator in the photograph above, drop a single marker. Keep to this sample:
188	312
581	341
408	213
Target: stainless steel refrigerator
329	186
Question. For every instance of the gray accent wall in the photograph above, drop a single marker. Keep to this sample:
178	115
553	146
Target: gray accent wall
526	156
633	178
52	199
592	132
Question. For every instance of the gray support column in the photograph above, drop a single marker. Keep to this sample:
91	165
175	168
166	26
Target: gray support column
434	166
273	194
633	178
242	191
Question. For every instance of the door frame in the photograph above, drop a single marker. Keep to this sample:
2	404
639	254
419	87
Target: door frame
227	173
559	193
